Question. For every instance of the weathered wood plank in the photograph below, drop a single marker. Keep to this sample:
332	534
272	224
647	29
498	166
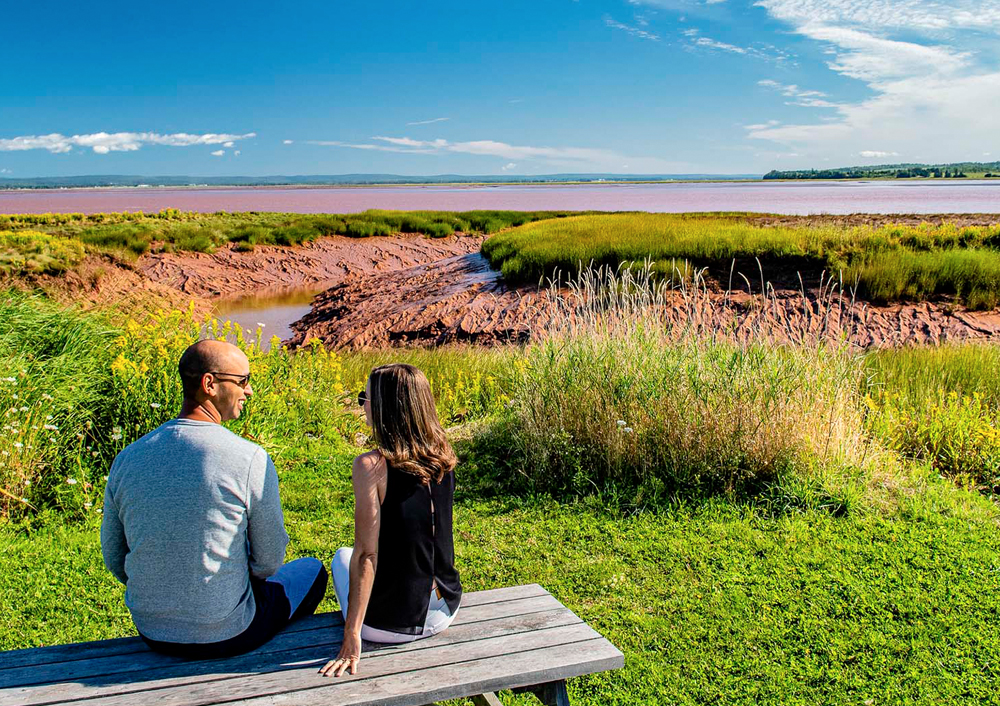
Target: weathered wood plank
487	699
132	645
148	661
456	665
255	663
124	645
450	681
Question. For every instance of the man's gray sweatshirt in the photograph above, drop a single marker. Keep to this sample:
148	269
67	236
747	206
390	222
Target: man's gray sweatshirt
191	510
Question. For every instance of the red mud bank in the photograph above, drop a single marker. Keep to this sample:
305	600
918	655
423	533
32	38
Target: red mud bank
460	299
229	273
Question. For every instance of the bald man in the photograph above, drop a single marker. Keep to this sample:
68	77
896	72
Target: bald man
193	525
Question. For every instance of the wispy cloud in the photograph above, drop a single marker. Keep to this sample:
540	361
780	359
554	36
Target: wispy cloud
429	122
876	154
103	142
218	153
804	98
287	142
597	159
507	167
931	68
695	40
634	31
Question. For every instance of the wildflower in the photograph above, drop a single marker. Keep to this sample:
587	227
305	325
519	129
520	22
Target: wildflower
621	422
116	437
94	454
51	427
18	445
105	478
627	430
155	405
261	325
27	483
14	396
5	454
23	409
48	417
80	437
24	500
47	397
71	481
15	379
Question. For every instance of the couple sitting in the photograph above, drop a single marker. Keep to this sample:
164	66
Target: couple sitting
193	524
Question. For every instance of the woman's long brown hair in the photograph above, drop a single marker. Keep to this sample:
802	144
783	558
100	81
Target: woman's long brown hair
406	425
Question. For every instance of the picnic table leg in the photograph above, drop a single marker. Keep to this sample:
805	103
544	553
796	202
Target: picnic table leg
551	693
487	699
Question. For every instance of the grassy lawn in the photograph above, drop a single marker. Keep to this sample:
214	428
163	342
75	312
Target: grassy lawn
712	602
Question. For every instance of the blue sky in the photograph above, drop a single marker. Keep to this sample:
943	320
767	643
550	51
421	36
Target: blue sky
624	86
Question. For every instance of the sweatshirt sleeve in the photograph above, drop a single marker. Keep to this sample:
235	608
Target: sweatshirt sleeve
265	523
114	546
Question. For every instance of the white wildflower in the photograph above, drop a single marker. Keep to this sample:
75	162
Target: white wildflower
94	454
47	397
48	417
261	325
71	481
155	405
621	422
627	430
51	427
18	445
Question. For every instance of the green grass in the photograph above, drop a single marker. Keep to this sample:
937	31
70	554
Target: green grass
711	603
885	264
128	235
31	252
851	570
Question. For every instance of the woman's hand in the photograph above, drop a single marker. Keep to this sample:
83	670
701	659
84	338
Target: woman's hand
347	659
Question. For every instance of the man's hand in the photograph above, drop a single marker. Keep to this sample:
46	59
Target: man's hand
347	660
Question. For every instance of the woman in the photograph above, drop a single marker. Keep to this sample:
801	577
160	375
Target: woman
399	582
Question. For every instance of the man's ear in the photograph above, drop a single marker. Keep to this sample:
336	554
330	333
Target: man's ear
208	384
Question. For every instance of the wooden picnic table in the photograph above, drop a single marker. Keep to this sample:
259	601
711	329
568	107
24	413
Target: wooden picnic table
518	638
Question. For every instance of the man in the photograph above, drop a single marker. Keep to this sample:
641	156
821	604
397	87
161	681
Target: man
193	525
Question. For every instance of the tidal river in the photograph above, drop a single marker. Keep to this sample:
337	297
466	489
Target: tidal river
793	198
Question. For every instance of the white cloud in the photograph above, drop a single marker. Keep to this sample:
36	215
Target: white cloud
7	171
507	167
634	31
806	99
573	157
877	154
228	144
218	153
103	142
237	153
931	68
767	52
429	122
287	142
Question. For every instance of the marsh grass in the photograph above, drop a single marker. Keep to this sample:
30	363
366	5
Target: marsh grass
889	263
31	252
128	235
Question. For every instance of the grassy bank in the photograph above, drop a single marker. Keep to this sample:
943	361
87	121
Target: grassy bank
889	263
128	235
746	523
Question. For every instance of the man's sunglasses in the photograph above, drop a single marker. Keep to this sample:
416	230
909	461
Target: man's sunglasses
362	398
241	380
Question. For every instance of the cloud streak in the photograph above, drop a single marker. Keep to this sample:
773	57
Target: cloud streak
104	142
574	157
634	31
429	122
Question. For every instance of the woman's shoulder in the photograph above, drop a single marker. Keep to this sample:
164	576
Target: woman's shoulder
370	463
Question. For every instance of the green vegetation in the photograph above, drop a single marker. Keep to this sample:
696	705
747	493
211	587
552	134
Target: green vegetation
130	234
748	523
889	263
33	252
955	170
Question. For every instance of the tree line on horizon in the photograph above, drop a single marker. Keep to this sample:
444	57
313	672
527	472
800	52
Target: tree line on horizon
956	170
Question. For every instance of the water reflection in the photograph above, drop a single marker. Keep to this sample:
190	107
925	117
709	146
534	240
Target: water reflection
272	310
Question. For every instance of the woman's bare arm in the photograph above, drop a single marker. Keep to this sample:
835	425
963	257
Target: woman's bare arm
367	475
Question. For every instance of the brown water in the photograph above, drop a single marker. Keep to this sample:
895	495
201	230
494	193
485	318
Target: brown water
271	311
793	198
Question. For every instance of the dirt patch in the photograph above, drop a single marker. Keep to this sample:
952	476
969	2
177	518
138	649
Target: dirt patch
460	299
229	273
879	219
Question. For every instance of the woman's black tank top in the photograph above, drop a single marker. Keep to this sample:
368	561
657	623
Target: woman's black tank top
415	547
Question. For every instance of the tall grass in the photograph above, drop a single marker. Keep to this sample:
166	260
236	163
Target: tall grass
890	263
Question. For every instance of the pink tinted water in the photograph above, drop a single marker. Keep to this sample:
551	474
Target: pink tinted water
797	198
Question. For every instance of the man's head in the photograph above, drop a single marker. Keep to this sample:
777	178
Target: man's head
215	374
